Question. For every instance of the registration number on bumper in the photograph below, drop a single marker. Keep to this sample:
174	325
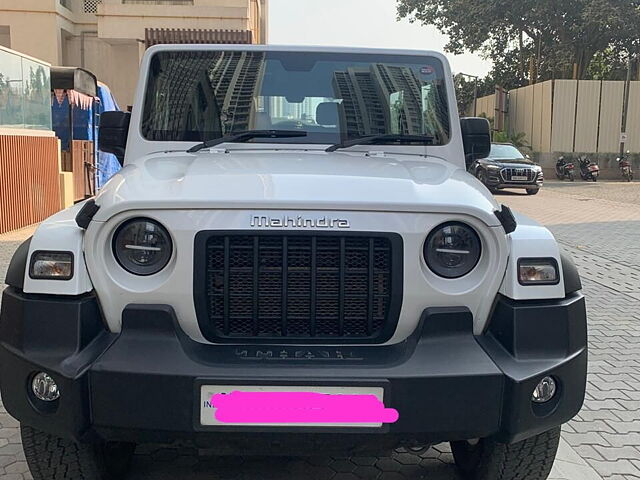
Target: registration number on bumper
294	406
519	178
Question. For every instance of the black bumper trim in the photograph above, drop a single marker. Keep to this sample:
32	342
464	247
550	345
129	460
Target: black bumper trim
140	385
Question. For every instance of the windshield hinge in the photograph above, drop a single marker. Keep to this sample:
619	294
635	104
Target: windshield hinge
86	214
507	220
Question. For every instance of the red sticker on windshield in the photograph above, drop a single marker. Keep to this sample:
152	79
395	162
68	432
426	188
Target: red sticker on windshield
428	70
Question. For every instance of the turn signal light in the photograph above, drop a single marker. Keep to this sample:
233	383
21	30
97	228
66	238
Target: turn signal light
538	271
51	265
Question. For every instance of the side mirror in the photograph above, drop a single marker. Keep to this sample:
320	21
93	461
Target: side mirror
476	138
114	130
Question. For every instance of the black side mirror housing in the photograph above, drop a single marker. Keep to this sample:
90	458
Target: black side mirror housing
476	138
114	130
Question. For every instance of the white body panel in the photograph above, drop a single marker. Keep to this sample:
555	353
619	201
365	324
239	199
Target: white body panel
60	232
174	285
530	240
296	180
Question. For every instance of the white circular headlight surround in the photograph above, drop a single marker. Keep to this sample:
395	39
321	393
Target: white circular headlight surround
452	250
142	246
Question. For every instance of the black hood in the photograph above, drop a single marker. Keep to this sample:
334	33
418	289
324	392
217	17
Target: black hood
515	161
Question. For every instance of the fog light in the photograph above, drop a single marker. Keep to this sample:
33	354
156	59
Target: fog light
45	388
544	391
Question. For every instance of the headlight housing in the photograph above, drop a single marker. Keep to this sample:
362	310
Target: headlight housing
538	271
51	265
452	250
142	246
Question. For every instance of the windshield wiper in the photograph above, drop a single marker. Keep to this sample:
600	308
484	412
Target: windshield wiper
392	138
248	135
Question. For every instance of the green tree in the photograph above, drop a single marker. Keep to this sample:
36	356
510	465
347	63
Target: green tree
465	86
531	40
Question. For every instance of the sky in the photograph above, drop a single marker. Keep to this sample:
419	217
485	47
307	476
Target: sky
359	23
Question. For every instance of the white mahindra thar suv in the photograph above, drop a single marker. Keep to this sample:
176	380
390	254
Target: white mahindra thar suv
293	261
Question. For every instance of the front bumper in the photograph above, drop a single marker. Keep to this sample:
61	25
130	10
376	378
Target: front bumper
142	384
495	179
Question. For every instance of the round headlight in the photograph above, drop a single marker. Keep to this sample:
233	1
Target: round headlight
452	250
142	246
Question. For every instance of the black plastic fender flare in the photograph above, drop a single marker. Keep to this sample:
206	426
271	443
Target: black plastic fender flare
18	265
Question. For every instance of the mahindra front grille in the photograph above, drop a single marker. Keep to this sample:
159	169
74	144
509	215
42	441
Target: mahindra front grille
298	287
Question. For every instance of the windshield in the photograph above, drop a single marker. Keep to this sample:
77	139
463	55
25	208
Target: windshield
334	97
505	152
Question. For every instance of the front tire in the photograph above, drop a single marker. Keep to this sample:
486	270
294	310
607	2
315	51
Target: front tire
530	459
53	458
532	191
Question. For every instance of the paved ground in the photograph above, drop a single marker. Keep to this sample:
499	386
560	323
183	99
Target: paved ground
600	225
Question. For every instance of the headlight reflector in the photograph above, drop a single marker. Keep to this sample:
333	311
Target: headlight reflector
538	271
452	250
51	265
142	246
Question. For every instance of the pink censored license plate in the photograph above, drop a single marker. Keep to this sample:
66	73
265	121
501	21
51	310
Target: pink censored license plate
302	406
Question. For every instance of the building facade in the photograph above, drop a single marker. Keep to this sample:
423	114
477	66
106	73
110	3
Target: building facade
108	37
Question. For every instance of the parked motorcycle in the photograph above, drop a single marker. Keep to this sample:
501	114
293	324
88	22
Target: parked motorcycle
564	169
588	169
625	167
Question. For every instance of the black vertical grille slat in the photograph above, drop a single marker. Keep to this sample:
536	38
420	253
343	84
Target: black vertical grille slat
226	286
256	283
371	287
332	287
312	286
285	276
341	294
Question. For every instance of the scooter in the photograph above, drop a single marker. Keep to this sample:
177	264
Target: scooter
625	167
564	169
588	170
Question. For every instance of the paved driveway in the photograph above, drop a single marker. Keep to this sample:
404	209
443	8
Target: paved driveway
600	226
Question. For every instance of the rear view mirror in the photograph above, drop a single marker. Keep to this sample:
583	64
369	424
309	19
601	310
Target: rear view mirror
114	130
476	138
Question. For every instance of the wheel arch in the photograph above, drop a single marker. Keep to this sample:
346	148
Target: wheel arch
18	265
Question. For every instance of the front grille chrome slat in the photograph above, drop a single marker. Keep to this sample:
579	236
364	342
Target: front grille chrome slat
332	287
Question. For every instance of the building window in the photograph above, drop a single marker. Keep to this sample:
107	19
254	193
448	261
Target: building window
5	36
91	6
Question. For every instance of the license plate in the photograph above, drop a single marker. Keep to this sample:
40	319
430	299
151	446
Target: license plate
208	407
519	178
